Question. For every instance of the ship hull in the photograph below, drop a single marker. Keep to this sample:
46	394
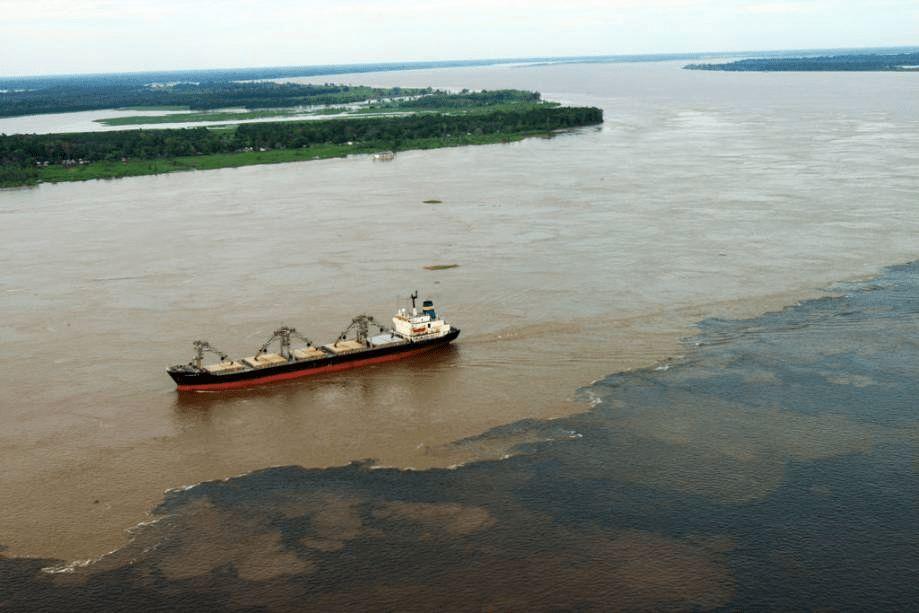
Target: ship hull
204	381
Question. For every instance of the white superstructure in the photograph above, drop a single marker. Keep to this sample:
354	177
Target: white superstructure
414	326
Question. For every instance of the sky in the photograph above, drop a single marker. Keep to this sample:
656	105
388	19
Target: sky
80	36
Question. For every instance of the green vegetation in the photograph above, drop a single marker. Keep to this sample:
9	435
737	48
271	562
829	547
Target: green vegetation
154	108
387	108
441	266
467	99
408	106
433	201
475	118
908	62
12	175
135	120
436	102
463	102
112	170
29	158
143	90
193	96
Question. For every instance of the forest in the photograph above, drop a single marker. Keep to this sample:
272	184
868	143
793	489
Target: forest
830	63
427	101
137	79
24	156
217	75
466	99
196	96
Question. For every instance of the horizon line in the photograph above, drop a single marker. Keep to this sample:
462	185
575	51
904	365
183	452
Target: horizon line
381	66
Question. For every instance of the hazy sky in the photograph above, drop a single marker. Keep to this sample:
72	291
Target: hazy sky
64	36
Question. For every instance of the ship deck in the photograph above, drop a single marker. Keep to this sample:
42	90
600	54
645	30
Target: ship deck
267	361
308	361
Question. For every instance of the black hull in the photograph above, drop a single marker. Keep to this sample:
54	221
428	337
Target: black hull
187	379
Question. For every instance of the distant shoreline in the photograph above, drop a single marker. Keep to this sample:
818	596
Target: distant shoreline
279	72
872	62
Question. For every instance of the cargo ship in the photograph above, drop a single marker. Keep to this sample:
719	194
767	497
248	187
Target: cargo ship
412	332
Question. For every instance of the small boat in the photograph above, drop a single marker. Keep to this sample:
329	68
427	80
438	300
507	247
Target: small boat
412	333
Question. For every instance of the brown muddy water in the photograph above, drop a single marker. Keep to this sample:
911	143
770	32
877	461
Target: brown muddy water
581	255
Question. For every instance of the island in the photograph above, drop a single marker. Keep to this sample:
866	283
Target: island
899	62
351	101
414	119
95	95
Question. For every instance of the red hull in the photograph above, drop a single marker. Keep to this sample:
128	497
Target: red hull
304	373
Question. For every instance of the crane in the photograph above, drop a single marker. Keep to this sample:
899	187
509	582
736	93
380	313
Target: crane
362	324
283	334
200	348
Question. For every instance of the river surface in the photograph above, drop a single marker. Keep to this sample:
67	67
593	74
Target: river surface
771	468
590	253
88	121
83	121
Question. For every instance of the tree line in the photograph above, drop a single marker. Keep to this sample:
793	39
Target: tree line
222	75
22	154
196	96
864	62
467	99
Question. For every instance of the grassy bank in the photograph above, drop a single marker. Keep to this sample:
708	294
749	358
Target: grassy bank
139	120
32	158
162	107
134	168
865	62
373	109
411	107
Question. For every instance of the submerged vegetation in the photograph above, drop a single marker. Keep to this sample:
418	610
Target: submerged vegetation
849	63
31	158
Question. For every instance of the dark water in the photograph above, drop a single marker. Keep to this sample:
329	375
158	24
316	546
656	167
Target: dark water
774	466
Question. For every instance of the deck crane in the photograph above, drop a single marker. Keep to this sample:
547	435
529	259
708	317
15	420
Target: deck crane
200	348
284	334
362	324
411	333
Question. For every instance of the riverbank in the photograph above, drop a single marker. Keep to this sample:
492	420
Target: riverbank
27	159
866	62
401	107
136	168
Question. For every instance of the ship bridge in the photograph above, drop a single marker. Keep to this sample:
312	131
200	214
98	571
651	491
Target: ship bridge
414	326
